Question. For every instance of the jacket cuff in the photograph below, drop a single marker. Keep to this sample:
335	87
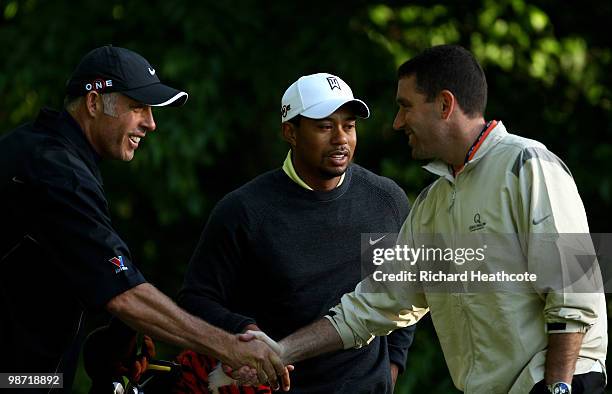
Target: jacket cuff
564	327
345	332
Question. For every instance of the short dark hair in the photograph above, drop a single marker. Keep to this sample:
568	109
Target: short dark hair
450	67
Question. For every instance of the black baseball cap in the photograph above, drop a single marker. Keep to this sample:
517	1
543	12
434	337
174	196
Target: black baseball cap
113	69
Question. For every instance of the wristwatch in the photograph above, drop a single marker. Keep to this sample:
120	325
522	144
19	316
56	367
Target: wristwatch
560	388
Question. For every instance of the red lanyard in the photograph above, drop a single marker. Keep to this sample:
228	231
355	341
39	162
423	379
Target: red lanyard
476	145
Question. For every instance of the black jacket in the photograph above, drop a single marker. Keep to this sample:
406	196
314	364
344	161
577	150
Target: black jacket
59	254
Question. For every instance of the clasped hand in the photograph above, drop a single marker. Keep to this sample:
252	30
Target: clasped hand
261	363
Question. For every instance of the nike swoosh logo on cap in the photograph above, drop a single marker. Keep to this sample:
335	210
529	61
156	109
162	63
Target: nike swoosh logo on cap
17	180
374	242
151	71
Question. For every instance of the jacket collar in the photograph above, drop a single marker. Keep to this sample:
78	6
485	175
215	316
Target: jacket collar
440	168
67	128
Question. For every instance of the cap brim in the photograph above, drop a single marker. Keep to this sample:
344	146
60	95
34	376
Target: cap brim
326	108
158	95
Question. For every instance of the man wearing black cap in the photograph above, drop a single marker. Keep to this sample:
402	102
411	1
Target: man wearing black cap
59	254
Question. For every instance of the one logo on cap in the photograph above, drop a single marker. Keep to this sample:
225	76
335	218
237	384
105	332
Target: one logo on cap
333	83
98	85
151	70
285	109
118	263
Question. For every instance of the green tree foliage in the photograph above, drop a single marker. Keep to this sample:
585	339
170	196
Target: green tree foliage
547	64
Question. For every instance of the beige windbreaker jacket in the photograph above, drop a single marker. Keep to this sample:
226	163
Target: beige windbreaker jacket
493	342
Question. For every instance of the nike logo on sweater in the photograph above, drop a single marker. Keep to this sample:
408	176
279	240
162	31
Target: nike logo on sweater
374	242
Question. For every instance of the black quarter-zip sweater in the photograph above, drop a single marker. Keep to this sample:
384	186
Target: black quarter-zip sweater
278	255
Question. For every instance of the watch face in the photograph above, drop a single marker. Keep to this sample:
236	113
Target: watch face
560	388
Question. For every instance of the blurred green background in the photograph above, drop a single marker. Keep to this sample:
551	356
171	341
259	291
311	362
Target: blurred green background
548	65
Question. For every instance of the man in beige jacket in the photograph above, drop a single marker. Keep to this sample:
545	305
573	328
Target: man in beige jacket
495	184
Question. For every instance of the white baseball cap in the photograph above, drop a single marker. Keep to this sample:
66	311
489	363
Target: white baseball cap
317	96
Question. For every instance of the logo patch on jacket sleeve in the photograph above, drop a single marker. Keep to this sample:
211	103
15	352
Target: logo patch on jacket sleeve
118	263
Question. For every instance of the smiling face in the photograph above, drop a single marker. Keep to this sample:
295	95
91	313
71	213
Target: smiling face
117	136
323	148
420	120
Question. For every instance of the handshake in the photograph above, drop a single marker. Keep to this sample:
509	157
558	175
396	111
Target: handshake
255	358
258	360
251	358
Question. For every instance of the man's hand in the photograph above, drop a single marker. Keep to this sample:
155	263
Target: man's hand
258	356
244	375
260	335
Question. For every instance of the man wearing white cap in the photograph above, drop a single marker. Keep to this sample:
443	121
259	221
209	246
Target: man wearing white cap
278	252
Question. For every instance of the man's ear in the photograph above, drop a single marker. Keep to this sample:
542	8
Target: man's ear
93	104
447	104
288	130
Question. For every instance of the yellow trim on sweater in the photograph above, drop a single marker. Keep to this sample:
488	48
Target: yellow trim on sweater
292	174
